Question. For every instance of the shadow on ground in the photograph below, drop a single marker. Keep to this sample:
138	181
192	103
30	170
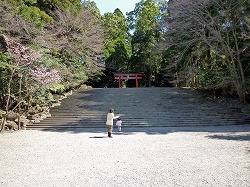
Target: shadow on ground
232	133
245	137
170	110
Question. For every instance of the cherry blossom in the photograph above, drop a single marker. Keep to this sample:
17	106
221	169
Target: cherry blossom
23	57
46	76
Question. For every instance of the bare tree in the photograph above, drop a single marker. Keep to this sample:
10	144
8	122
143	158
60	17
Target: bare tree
75	32
13	24
216	24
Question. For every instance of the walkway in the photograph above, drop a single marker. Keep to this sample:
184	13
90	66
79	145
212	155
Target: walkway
138	157
142	107
170	137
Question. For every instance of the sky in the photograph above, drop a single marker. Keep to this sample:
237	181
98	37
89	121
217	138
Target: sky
110	5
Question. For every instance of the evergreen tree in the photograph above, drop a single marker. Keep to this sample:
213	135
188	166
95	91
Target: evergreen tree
117	41
144	21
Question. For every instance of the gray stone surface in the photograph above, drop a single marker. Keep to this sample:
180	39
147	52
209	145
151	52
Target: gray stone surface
215	156
142	107
170	137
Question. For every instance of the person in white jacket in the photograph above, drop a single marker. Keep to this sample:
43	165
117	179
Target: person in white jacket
110	118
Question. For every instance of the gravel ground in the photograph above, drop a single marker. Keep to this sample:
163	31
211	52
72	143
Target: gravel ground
192	156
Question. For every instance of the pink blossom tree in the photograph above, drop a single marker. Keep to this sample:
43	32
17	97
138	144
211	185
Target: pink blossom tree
22	59
20	55
45	76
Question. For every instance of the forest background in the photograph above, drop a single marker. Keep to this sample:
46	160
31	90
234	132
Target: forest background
52	46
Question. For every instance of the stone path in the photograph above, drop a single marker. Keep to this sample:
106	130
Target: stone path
214	156
142	107
171	137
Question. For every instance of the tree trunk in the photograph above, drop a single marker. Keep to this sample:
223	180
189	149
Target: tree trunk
8	99
241	75
19	103
149	77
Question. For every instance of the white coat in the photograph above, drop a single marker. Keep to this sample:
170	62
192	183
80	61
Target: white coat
110	118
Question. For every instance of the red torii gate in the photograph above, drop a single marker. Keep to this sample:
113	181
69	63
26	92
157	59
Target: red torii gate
127	76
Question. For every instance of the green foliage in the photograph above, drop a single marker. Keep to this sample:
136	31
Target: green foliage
80	75
246	109
39	97
58	88
63	31
51	5
4	60
34	14
209	51
30	12
4	71
91	6
144	20
117	44
117	56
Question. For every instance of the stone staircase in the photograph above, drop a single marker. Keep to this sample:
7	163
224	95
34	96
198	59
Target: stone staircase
141	107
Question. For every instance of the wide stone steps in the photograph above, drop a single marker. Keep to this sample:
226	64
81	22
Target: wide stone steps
141	107
138	123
